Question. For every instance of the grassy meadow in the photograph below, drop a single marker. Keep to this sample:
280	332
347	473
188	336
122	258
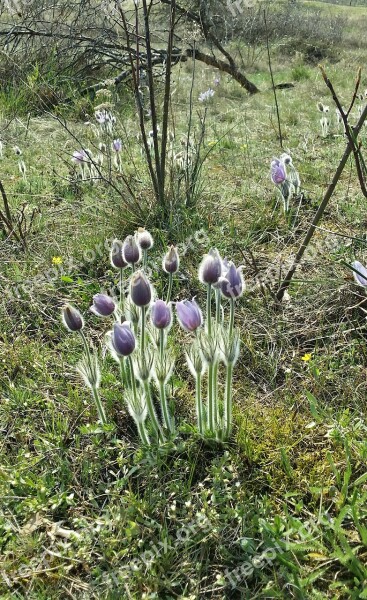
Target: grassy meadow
280	511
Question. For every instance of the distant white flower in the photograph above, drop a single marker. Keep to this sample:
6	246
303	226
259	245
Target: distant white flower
205	96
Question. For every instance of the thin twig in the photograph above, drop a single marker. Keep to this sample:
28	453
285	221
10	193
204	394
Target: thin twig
272	81
349	149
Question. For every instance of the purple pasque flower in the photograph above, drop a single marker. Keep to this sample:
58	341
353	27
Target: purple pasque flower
144	239
232	284
72	318
171	260
140	289
161	314
103	305
361	276
117	145
210	269
277	171
205	96
189	315
131	250
122	339
80	157
117	255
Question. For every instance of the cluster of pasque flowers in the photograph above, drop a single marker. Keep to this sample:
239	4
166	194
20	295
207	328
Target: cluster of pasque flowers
139	342
286	178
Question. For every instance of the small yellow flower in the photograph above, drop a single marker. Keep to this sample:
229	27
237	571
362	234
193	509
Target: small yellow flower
212	143
57	260
306	357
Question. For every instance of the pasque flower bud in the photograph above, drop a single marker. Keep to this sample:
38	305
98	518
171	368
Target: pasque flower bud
131	250
117	255
211	268
140	289
144	238
122	339
72	318
161	314
171	261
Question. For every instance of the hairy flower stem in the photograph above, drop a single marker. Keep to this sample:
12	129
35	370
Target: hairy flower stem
215	391
143	433
231	317
211	407
209	309
145	259
167	419
170	284
227	420
121	303
100	409
217	306
142	333
151	410
162	344
199	405
165	410
123	373
95	394
141	427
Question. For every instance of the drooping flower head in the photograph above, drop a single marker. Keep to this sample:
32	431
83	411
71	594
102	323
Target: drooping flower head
171	261
117	255
72	318
189	315
361	275
140	289
231	283
277	171
122	339
210	269
161	314
131	250
103	305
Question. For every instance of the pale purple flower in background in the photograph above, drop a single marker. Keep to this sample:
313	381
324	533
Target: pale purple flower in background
80	157
117	145
361	275
210	268
217	81
171	261
205	96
